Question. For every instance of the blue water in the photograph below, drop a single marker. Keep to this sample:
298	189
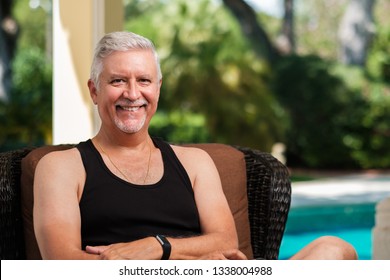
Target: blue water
351	222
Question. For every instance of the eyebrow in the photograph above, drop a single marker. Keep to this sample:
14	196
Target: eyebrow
116	75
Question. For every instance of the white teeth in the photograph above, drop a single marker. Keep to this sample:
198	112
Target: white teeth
131	109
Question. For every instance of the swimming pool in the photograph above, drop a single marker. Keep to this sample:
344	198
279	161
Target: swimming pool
351	222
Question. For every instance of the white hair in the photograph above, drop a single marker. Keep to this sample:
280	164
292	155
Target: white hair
120	41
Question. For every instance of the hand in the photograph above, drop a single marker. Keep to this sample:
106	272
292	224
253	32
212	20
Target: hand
225	255
143	249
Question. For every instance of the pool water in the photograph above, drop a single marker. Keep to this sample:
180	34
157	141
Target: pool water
351	222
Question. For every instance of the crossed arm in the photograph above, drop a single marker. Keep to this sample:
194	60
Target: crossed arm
58	188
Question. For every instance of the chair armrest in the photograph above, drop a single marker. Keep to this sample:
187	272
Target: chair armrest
269	198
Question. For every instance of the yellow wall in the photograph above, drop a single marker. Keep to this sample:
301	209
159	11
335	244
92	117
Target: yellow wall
77	26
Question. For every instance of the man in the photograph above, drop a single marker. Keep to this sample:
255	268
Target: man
126	195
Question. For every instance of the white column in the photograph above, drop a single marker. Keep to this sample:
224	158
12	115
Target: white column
77	26
381	231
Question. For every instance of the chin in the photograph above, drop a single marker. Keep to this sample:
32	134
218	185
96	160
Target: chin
130	128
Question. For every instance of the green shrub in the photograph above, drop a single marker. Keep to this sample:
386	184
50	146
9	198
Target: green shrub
337	117
210	71
370	144
378	61
318	105
27	117
179	127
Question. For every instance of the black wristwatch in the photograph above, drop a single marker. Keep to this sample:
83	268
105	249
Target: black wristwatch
166	246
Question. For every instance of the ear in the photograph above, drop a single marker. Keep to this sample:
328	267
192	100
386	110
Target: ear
159	88
92	91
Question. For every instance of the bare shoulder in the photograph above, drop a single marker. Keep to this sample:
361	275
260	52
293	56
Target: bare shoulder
191	154
61	164
196	161
56	170
64	157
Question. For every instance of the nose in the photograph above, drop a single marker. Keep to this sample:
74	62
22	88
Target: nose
131	91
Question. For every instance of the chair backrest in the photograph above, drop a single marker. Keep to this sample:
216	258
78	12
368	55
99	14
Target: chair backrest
269	199
11	226
256	186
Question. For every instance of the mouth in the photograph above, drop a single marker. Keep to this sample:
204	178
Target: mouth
130	108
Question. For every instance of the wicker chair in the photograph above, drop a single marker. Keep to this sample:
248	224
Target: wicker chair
267	188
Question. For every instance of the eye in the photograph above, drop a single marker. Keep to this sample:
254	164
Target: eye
144	81
117	82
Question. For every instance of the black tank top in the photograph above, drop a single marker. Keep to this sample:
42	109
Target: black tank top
114	210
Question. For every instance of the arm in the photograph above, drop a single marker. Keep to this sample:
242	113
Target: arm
57	182
217	224
218	239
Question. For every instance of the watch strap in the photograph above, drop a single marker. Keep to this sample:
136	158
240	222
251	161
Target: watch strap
166	246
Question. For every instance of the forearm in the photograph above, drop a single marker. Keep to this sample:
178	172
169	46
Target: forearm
199	246
80	255
196	247
66	254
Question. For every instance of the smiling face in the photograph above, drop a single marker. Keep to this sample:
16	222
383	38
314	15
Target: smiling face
129	90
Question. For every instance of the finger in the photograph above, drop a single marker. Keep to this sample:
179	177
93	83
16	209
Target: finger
234	255
96	250
213	256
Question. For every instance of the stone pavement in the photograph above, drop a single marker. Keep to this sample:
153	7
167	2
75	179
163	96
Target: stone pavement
342	189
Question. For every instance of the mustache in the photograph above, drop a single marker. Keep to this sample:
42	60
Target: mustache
130	103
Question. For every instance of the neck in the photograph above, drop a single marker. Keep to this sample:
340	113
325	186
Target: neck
118	155
136	141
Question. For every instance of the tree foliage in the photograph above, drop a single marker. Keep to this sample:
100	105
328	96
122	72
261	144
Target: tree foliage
221	86
378	62
9	32
26	119
209	70
253	30
319	106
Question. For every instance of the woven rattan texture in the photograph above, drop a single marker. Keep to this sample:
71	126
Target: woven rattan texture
269	198
11	228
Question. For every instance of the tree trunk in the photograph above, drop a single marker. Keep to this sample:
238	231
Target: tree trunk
8	36
288	24
356	32
252	30
286	40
